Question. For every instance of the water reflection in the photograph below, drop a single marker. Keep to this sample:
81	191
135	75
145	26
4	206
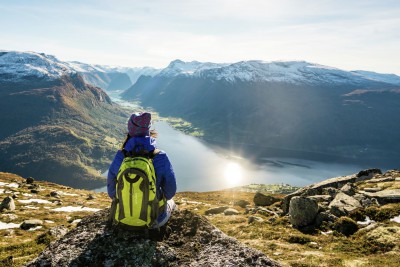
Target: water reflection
201	167
233	174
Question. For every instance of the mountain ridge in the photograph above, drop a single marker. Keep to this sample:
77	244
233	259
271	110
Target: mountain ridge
322	113
59	124
17	66
273	71
270	70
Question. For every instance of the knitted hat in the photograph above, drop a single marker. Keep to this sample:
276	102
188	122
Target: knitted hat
139	124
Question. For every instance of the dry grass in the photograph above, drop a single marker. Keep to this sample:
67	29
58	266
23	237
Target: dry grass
277	239
24	245
274	236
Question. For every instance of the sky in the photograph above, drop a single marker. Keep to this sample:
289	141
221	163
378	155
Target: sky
351	34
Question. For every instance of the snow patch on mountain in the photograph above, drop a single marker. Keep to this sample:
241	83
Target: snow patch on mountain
16	66
179	67
83	67
387	78
294	72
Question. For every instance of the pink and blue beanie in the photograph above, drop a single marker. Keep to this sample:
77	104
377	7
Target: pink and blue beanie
139	124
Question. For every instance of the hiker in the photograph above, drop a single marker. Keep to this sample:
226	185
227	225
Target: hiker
140	137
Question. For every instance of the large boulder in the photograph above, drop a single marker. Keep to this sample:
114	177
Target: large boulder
343	204
385	196
264	200
189	241
302	211
7	204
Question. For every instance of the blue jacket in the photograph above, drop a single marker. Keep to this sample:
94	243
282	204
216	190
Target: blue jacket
165	176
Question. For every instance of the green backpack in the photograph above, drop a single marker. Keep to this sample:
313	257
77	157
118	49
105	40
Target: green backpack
136	204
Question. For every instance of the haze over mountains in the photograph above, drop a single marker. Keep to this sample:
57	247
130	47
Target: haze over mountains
56	123
291	109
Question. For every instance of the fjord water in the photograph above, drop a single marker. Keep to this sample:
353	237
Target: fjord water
200	166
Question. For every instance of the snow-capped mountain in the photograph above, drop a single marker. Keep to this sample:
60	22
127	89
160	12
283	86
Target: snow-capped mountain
301	107
19	66
387	78
16	66
179	67
292	72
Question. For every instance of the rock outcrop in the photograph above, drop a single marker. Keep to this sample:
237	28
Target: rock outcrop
336	183
343	204
302	211
187	240
385	196
338	203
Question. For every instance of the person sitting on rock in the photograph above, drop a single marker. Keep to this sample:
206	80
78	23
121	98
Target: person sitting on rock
140	135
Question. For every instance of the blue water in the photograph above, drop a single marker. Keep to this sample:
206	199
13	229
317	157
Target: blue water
199	166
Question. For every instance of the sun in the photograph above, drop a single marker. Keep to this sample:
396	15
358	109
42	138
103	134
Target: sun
233	173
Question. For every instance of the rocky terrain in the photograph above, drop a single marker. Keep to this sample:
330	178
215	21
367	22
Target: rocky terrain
189	240
344	221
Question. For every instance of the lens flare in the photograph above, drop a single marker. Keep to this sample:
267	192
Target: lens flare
233	173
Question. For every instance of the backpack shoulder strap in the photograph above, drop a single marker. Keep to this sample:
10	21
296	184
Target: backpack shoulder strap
155	153
125	153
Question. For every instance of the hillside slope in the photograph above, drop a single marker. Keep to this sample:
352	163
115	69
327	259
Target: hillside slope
292	109
53	125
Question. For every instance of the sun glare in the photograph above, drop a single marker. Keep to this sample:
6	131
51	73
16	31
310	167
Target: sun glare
233	173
